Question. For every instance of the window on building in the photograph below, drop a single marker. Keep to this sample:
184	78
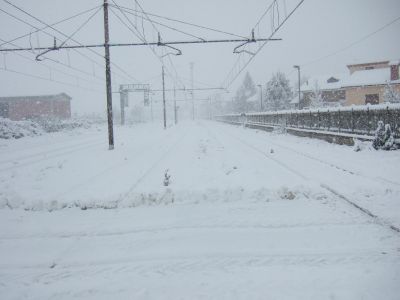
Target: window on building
372	99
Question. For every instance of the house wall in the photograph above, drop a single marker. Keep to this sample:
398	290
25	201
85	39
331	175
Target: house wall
376	65
357	95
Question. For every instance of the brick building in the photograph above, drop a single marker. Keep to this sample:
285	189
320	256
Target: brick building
33	107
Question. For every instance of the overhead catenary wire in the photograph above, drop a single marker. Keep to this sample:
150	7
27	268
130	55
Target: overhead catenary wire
53	24
74	33
52	68
164	25
137	34
187	23
48	34
228	81
63	34
169	58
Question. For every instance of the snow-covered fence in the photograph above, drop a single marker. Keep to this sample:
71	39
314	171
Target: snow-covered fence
361	120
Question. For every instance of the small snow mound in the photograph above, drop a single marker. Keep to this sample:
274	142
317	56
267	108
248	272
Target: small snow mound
18	129
167	196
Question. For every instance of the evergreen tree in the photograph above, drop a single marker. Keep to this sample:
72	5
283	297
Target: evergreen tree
278	92
245	91
316	99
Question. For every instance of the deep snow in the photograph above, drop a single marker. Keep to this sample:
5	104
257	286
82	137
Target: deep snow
247	215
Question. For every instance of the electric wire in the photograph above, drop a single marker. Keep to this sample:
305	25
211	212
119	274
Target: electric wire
367	36
80	27
187	23
63	34
50	68
48	34
228	81
48	79
164	25
45	27
169	58
137	34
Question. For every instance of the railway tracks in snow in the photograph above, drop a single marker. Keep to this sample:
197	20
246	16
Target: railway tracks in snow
40	156
323	185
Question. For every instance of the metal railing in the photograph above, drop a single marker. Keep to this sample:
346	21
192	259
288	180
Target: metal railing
361	120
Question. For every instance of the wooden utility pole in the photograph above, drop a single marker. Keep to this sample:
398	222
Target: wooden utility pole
164	109
108	78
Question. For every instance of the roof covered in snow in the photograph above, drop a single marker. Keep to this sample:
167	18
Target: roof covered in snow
324	82
57	97
358	78
369	77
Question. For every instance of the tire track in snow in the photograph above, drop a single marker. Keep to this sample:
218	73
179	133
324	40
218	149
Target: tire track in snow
326	187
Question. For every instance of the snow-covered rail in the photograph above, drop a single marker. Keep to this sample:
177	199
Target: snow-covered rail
356	120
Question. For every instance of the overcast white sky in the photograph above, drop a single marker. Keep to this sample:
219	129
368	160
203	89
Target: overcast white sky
318	28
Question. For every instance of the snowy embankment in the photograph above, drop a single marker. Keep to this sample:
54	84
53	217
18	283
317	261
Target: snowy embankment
219	163
17	129
245	214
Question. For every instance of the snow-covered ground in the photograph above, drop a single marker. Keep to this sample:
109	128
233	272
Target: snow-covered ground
246	215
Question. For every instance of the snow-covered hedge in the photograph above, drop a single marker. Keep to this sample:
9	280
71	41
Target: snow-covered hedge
18	129
54	125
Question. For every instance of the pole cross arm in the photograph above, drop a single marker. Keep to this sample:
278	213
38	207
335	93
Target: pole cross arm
141	44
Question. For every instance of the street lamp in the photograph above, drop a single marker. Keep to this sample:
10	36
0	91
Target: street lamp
298	71
261	99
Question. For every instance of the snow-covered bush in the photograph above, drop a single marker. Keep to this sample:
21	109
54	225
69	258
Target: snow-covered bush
384	137
391	95
18	129
54	125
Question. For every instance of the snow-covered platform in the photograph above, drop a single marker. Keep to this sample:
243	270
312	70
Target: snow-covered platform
246	215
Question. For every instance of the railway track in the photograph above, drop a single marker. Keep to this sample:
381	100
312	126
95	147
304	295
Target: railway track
323	185
31	159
